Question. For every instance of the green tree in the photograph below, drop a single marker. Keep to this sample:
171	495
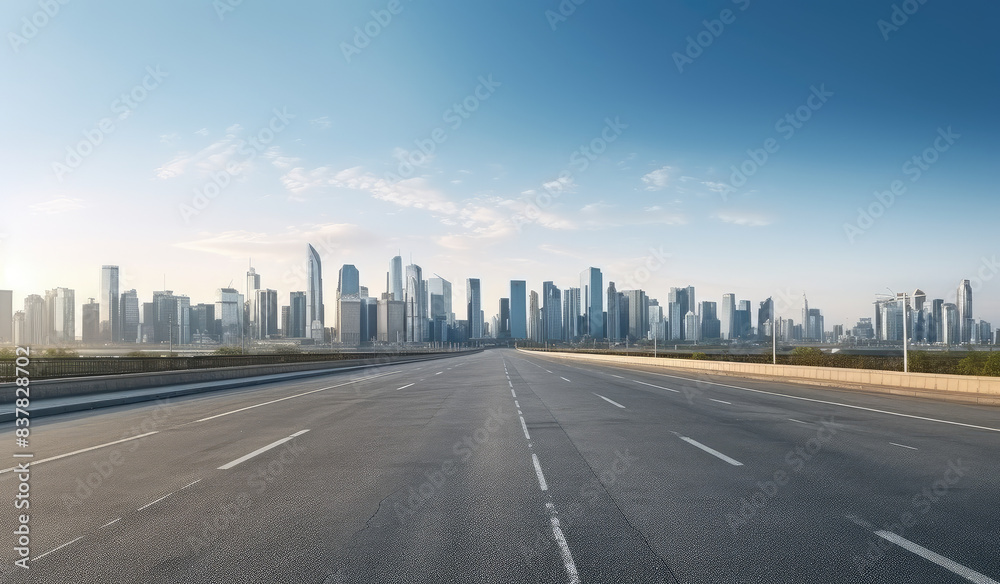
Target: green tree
810	356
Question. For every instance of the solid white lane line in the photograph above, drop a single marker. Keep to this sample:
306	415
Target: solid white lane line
81	451
36	558
110	523
405	386
190	484
656	386
274	401
831	403
720	401
525	428
967	573
903	446
799	421
538	471
612	402
567	556
155	502
712	451
564	379
261	450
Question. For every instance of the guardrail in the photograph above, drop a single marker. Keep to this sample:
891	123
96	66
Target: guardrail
55	368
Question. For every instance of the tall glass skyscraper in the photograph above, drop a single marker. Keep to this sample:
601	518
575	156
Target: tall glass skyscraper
552	325
396	278
314	296
727	317
518	310
592	302
964	304
474	307
415	297
111	328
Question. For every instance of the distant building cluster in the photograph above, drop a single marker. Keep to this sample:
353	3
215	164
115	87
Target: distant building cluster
418	309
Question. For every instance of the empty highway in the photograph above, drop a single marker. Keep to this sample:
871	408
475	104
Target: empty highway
506	466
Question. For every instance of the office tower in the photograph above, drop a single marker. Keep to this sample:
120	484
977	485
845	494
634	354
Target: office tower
614	332
919	299
675	320
816	328
315	321
203	323
534	318
182	320
638	314
964	305
35	322
286	318
297	315
728	316
552	321
503	321
391	318
889	314
91	322
571	315
349	307
129	306
396	278
711	324
765	318
805	317
267	314
229	312
473	301
369	320
985	333
684	301
518	310
18	326
592	302
61	315
657	326
110	326
253	285
438	285
742	325
692	326
6	316
414	296
918	319
348	281
935	328
951	326
164	317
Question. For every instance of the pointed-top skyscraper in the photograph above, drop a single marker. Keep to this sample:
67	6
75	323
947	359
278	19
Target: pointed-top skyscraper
314	296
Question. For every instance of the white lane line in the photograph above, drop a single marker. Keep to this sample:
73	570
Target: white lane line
261	450
510	383
711	451
831	403
612	402
405	386
720	401
36	558
538	471
567	556
618	376
656	386
190	484
110	523
903	446
516	405
155	502
512	392
967	573
798	421
439	373
525	428
564	379
81	451
547	371
274	401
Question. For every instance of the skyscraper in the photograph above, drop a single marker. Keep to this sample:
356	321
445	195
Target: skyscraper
110	325
964	304
534	318
438	285
711	325
267	314
614	332
518	310
415	297
742	325
680	301
951	325
765	318
592	302
91	322
348	281
503	322
129	305
638	314
349	306
396	278
296	328
229	312
35	322
552	323
473	300
314	297
727	317
6	316
571	315
253	285
805	318
60	316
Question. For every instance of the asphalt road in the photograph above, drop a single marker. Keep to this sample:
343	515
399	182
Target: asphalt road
511	467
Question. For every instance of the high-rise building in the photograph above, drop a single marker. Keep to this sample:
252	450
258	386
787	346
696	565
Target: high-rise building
267	314
286	321
552	322
657	325
805	318
614	332
692	326
253	285
765	318
473	301
60	316
534	318
816	328
35	321
936	327
951	325
438	285
571	315
638	314
110	325
391	316
985	331
518	310
396	278
129	305
296	328
92	322
349	306
727	318
6	316
348	281
203	323
742	325
315	321
711	325
680	301
415	298
229	312
964	305
503	321
592	302
18	328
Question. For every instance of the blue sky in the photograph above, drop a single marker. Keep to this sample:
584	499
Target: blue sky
480	204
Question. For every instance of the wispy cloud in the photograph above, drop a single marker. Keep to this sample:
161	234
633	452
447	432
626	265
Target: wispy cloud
58	205
657	179
322	123
746	219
